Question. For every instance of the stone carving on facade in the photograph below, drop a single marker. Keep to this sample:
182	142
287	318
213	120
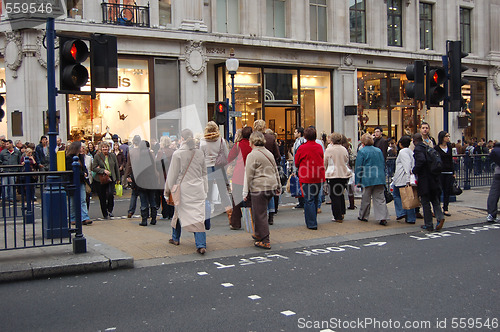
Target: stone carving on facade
13	51
347	60
196	59
41	50
496	80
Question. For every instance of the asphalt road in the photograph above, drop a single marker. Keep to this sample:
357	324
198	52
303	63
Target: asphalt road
447	280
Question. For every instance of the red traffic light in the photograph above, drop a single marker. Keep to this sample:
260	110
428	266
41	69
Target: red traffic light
73	75
220	109
435	90
75	50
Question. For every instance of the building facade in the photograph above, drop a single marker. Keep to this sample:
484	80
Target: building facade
338	65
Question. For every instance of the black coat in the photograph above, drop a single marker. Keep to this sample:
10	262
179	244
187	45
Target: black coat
446	158
428	183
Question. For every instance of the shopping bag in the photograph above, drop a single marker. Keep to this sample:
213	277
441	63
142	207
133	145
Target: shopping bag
247	218
295	190
409	197
119	190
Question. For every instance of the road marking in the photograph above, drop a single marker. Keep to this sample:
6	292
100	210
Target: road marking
227	284
378	244
440	235
288	313
254	297
202	273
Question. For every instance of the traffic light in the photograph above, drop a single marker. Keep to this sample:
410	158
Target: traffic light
73	75
2	112
455	56
104	61
415	73
435	79
220	112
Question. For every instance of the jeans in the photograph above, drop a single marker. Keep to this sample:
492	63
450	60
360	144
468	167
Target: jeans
426	201
148	200
321	196
271	208
83	203
311	198
133	201
200	238
8	190
398	205
493	196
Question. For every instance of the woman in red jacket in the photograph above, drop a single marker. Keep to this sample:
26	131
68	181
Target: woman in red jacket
239	152
311	170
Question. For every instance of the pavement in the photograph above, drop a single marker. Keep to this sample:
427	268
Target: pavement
121	243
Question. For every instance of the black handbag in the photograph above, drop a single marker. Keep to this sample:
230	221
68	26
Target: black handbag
456	190
388	195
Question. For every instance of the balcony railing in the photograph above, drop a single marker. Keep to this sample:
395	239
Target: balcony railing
128	15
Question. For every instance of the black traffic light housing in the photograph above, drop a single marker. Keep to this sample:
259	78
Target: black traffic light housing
104	61
2	112
220	112
455	56
415	73
72	53
435	79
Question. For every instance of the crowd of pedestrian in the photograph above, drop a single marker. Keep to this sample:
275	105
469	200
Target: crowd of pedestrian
184	178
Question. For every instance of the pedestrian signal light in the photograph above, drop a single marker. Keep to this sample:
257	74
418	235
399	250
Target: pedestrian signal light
435	90
220	113
73	75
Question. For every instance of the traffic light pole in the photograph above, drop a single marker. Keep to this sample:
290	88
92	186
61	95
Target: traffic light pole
53	195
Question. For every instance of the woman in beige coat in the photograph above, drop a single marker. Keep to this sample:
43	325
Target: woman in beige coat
261	183
337	174
188	168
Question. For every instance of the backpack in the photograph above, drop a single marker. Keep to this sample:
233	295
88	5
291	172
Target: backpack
434	161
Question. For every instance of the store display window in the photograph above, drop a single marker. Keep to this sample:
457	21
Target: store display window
124	111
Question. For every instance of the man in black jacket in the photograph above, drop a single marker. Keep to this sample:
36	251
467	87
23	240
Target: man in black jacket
428	185
494	194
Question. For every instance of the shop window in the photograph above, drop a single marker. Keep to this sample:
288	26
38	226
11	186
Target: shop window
315	100
394	23
381	102
3	93
123	110
357	21
165	12
474	95
248	87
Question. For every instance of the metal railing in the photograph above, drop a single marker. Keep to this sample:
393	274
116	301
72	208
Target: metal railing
470	170
128	15
35	209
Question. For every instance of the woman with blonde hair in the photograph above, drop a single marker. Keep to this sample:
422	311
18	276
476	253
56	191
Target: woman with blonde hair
188	170
213	147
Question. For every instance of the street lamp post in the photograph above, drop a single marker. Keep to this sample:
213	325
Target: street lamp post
232	65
